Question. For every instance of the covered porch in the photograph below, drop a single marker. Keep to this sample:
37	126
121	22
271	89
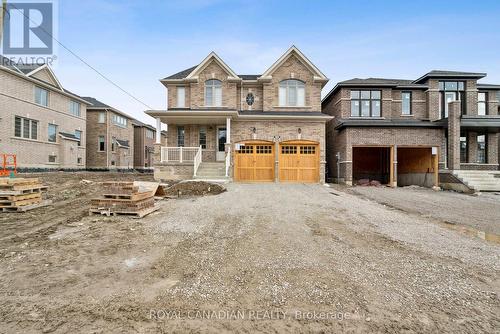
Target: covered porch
195	139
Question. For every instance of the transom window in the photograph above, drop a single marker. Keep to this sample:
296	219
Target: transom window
308	150
264	149
450	91
406	103
41	96
291	93
481	104
288	149
213	93
246	149
365	103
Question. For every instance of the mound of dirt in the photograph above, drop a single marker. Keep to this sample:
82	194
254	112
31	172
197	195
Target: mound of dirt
194	188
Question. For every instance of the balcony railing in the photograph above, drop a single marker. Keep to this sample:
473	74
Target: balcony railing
179	154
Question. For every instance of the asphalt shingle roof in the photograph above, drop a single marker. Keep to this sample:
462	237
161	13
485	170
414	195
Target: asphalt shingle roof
122	143
95	103
183	74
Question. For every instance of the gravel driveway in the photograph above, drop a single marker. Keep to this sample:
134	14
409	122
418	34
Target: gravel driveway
307	257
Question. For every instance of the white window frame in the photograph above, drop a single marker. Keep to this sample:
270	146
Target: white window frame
409	111
213	86
80	132
150	134
55	133
101	118
75	108
31	122
40	103
292	93
99	143
181	97
119	120
483	102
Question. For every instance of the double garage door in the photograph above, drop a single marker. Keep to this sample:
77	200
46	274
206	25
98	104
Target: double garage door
298	161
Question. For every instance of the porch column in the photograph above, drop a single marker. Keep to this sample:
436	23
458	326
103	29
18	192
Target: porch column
454	135
227	145
394	166
228	130
158	130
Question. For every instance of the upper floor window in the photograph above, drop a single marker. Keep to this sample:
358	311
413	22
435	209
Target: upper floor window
120	120
74	108
25	128
366	103
101	117
41	96
406	103
213	93
481	104
181	97
450	91
291	93
180	136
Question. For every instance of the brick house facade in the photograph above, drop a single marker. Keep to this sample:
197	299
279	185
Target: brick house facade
40	122
144	140
266	127
110	137
404	132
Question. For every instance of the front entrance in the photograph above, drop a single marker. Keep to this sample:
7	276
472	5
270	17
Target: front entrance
299	162
220	153
254	162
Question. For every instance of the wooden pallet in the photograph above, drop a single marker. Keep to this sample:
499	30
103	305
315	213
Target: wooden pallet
29	201
26	207
37	189
128	197
133	214
9	181
14	198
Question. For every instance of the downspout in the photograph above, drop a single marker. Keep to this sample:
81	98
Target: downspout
108	142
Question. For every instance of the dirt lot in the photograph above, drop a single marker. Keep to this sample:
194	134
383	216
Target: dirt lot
265	258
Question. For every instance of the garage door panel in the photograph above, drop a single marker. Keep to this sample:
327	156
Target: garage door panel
255	163
299	162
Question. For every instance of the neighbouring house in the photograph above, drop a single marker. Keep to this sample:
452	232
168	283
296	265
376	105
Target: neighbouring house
110	137
144	140
42	123
251	128
441	128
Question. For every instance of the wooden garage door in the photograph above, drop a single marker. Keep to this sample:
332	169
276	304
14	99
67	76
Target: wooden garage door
254	162
299	162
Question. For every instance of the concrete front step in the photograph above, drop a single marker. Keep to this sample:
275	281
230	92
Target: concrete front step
480	180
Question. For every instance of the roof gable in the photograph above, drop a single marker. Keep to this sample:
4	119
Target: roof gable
45	74
212	57
294	51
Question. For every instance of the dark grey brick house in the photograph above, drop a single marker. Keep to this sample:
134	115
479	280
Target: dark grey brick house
437	128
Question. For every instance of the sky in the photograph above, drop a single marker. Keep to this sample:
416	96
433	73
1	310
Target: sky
136	43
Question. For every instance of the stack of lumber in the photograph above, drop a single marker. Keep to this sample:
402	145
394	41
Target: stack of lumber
21	194
123	198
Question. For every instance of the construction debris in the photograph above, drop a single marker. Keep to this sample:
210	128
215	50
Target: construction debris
194	188
123	198
367	182
21	194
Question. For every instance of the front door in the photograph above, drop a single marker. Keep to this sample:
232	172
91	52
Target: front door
220	154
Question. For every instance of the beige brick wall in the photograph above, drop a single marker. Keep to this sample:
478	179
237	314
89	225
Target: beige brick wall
17	98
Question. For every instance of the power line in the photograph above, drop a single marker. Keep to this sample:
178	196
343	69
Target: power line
85	62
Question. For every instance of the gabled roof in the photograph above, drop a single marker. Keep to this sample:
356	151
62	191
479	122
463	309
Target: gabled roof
293	50
212	57
450	74
249	76
50	73
98	105
122	143
181	75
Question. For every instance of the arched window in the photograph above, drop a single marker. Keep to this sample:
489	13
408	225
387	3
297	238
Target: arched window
213	93
292	93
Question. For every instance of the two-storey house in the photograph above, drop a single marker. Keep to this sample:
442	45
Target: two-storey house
409	132
110	137
252	128
41	123
144	141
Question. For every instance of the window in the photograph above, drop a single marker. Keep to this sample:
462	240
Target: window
450	91
52	133
79	160
291	93
25	128
366	103
406	103
120	120
203	137
481	149
213	93
246	149
308	150
150	134
52	158
74	108
463	147
481	104
181	97
113	144
101	117
78	134
180	136
285	149
41	96
264	149
101	144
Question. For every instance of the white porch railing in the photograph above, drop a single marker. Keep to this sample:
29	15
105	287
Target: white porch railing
228	161
178	154
197	161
